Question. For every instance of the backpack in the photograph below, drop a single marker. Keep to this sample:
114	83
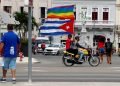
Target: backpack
108	45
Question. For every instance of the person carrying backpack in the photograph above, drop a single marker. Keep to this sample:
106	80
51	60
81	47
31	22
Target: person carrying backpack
108	48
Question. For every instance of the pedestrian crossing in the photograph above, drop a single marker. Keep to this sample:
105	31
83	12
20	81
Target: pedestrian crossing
75	69
115	68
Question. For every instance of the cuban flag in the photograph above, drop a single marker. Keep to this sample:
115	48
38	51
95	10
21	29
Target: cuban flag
57	27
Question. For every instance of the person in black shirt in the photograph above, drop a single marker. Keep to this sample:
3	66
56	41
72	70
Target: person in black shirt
77	46
108	48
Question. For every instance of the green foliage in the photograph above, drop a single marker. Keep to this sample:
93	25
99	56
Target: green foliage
22	17
24	42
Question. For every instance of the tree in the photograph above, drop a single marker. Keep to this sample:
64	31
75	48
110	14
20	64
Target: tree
22	17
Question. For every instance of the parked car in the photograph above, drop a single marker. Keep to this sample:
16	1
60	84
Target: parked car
54	49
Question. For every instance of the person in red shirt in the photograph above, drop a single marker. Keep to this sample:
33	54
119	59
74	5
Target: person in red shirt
68	42
43	46
101	46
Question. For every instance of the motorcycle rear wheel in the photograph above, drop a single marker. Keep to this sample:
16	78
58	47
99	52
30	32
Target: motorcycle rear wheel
65	61
94	61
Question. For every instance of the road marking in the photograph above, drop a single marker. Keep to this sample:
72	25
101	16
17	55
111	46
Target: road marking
36	70
115	68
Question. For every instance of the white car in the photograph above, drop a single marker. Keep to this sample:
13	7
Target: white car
54	49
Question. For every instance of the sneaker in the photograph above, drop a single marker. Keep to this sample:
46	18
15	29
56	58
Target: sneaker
3	80
80	61
14	81
66	57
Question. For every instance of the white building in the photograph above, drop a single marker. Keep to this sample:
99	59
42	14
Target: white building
100	20
118	20
39	8
101	15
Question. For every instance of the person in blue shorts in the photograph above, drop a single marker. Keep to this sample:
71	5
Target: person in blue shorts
10	47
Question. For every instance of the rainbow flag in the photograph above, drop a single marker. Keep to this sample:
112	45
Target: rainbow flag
62	12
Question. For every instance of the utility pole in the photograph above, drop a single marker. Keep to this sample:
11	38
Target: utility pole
29	4
30	44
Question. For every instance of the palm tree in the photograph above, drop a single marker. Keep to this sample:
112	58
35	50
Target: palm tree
22	17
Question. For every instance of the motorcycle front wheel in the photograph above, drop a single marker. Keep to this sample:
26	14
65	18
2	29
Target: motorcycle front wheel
67	61
94	61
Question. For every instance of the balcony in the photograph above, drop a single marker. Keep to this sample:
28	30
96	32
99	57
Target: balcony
105	24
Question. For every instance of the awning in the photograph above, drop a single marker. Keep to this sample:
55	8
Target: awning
7	18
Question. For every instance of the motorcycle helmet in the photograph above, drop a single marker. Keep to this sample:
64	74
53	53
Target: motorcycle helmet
77	38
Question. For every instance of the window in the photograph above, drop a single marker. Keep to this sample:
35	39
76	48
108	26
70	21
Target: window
21	9
98	38
95	14
7	9
42	11
105	13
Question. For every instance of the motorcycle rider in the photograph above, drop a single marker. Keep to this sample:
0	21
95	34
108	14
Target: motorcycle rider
69	47
68	41
78	46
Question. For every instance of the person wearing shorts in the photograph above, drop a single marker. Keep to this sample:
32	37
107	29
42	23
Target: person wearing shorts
10	45
101	50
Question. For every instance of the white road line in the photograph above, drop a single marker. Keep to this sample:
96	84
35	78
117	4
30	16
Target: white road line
36	70
115	67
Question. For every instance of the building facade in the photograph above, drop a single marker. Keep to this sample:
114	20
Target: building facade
118	20
98	17
39	9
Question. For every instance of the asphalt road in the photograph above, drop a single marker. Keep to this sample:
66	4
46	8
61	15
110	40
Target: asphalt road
51	69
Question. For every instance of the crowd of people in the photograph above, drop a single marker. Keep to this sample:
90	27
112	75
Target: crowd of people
103	48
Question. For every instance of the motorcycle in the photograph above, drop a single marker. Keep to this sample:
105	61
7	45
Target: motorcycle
69	59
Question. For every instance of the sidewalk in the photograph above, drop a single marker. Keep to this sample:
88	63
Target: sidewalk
25	60
62	84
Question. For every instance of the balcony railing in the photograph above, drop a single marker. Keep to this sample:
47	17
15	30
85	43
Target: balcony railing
96	22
